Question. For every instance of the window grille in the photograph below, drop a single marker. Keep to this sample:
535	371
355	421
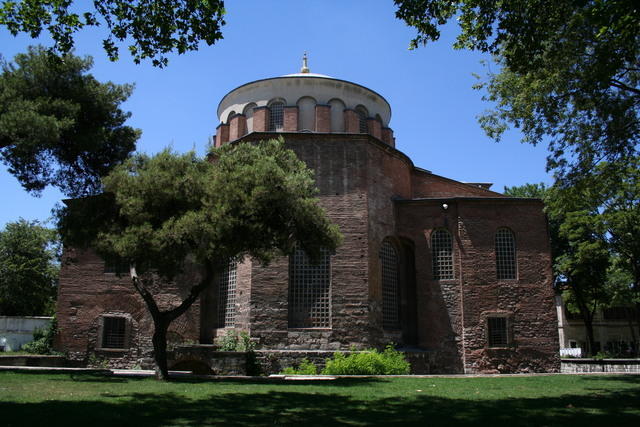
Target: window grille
505	254
442	255
362	120
227	296
113	332
276	116
309	291
389	262
117	266
498	333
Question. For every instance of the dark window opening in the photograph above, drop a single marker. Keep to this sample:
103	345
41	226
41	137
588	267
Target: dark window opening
505	254
113	332
390	308
442	255
498	333
309	291
227	296
116	266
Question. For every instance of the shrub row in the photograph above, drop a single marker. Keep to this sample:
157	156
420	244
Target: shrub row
369	362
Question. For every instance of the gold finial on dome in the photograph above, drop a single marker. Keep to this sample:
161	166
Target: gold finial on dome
305	68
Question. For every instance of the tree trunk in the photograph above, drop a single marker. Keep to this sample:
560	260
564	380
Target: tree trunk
588	324
636	350
160	347
162	319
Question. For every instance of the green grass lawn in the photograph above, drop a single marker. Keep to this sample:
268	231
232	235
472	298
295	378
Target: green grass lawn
37	399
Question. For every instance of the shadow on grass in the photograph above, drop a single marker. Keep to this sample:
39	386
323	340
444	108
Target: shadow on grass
284	407
625	378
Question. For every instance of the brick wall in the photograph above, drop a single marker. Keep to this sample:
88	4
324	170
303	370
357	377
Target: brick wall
454	312
366	187
86	293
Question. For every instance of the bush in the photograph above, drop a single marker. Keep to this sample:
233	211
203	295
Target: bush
370	362
305	368
42	340
234	341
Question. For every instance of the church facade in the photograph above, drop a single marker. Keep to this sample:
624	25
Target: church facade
436	266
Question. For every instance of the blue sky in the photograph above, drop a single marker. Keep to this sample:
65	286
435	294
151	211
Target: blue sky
433	106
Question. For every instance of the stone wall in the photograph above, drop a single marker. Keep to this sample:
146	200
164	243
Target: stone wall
369	189
86	294
15	331
453	318
579	366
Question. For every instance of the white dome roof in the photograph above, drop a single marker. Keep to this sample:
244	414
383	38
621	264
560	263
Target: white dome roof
307	75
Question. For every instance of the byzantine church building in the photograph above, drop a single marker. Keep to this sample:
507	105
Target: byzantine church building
456	275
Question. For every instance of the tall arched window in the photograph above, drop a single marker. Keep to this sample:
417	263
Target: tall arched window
505	254
227	296
309	291
248	113
307	114
363	114
337	115
442	255
276	116
389	263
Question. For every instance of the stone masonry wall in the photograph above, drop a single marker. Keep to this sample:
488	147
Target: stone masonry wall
86	293
453	315
341	175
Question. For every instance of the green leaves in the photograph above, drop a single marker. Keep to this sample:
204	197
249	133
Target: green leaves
153	27
568	76
59	125
28	269
159	210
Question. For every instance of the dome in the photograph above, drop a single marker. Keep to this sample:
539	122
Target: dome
294	87
303	102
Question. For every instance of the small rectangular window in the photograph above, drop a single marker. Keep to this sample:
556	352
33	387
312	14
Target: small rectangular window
113	332
497	332
117	266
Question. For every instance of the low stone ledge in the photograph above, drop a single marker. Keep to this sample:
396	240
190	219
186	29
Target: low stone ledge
34	360
614	366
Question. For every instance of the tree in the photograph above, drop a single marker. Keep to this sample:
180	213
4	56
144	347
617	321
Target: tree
530	191
153	27
580	255
569	72
172	217
594	229
59	125
28	269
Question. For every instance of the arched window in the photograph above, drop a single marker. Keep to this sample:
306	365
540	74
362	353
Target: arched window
248	113
276	116
306	114
442	255
337	115
309	291
363	114
505	254
389	263
227	296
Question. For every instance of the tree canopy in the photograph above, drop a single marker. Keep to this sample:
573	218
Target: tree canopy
59	125
154	28
168	213
569	72
28	269
594	227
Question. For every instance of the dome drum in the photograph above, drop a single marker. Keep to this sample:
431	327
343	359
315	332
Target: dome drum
303	103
